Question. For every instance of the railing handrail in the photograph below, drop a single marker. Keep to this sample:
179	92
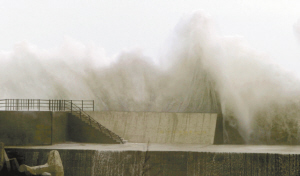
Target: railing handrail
82	113
55	105
44	104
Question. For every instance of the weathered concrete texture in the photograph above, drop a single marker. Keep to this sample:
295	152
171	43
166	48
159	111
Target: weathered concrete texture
46	128
1	155
59	127
180	128
25	128
79	131
33	128
219	136
96	163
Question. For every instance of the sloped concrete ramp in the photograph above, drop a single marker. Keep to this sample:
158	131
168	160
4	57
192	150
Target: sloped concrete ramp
154	127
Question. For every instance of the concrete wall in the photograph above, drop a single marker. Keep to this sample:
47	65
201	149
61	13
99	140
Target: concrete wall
59	127
46	128
219	137
2	160
33	128
25	128
141	127
79	131
96	163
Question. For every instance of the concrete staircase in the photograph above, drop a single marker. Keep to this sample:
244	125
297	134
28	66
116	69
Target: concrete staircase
92	122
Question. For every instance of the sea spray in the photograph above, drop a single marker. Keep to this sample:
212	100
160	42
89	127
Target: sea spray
297	29
200	71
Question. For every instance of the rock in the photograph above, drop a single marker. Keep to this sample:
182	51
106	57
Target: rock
14	164
4	158
7	162
53	166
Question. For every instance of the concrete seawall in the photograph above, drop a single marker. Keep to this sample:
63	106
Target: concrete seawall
46	128
29	128
26	128
171	160
177	128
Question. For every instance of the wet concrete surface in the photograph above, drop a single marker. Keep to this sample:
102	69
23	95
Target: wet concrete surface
165	159
278	149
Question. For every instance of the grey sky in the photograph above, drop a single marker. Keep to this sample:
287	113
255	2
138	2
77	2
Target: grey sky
117	25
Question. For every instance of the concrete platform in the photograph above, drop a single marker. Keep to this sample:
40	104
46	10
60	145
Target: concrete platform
275	149
166	159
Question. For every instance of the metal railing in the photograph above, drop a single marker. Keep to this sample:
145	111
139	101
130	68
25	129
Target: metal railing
44	105
77	111
76	107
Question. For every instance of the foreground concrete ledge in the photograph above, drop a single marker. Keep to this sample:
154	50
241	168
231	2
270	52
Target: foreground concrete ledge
276	149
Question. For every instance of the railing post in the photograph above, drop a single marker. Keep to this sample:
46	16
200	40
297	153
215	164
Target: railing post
40	104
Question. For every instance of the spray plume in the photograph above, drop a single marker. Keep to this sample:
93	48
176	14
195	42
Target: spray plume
297	29
199	71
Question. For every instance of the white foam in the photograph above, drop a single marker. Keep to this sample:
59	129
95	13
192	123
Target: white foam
258	97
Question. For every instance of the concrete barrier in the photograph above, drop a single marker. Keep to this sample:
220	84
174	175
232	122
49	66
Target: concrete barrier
178	128
19	128
33	128
59	127
25	128
216	163
46	128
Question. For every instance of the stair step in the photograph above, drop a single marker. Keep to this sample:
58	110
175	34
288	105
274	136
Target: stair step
100	128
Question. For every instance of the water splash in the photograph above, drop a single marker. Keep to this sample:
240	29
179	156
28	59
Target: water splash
199	71
297	29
